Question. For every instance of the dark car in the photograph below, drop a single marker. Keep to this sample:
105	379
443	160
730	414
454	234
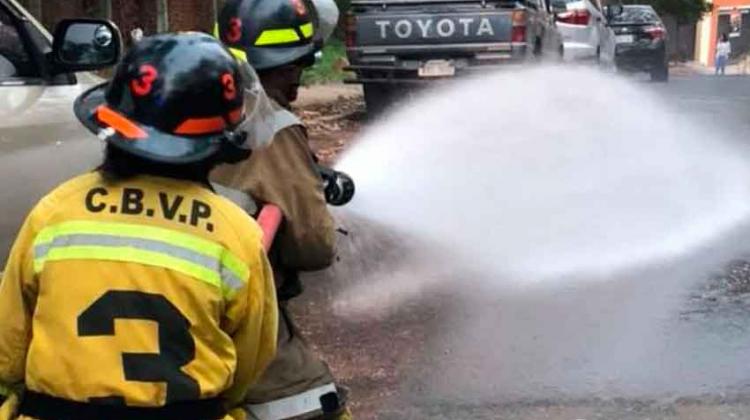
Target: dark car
641	41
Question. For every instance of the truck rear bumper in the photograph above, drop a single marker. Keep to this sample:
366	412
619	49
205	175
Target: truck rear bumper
413	78
573	51
392	68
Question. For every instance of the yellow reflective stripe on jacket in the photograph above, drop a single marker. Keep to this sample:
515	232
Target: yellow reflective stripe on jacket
308	30
277	36
182	252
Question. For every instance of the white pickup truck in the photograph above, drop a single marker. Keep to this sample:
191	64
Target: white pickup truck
41	141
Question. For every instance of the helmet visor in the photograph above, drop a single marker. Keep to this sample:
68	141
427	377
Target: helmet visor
258	123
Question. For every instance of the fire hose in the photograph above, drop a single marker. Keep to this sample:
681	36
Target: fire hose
338	188
269	219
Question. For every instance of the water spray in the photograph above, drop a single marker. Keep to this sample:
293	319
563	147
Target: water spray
592	214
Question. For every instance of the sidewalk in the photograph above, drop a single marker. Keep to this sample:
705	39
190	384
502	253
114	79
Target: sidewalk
693	68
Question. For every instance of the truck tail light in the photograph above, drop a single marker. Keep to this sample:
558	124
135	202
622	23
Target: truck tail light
351	29
518	33
656	32
575	17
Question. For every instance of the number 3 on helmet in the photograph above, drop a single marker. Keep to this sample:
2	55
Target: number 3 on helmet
175	98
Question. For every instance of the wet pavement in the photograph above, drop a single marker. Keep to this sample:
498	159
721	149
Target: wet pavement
693	364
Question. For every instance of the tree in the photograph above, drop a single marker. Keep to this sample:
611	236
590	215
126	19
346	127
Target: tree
684	11
343	5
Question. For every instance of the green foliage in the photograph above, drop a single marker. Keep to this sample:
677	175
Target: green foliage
329	67
685	11
343	5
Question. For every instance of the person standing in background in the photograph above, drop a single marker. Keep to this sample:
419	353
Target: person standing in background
723	50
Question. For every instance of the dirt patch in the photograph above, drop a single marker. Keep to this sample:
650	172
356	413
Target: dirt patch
332	122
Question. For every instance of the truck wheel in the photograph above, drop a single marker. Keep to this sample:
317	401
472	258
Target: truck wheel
660	74
377	97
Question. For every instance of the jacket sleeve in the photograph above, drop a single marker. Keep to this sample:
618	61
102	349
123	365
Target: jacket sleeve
18	291
252	320
284	174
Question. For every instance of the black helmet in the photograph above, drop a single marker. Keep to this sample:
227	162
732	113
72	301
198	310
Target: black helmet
175	98
268	34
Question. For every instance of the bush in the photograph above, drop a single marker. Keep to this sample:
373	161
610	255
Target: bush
329	67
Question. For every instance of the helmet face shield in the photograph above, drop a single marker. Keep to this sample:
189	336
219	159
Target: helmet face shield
328	19
258	123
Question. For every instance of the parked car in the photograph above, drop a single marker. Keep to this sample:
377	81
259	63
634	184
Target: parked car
392	43
41	142
585	31
641	41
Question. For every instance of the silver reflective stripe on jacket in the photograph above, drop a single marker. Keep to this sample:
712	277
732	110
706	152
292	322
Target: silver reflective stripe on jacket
292	406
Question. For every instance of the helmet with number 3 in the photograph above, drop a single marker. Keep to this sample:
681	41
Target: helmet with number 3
268	34
175	98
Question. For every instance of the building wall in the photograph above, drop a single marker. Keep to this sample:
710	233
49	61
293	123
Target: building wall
681	40
181	15
191	15
709	28
702	40
131	14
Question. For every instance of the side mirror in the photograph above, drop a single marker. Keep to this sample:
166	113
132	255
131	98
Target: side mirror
613	11
85	45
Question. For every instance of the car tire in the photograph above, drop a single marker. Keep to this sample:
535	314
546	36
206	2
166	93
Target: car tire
660	74
378	97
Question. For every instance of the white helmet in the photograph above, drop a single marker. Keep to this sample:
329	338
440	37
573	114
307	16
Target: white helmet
328	18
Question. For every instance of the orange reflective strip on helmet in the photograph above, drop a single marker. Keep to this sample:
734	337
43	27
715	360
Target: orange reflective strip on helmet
199	126
120	123
209	125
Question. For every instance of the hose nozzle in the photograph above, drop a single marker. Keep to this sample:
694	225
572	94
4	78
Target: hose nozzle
337	186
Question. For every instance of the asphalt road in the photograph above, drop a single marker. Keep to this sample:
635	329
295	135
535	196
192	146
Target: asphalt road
634	361
718	99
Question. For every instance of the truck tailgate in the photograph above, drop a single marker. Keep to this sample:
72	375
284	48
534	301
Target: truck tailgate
396	28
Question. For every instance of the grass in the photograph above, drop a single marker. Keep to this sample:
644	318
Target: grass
328	69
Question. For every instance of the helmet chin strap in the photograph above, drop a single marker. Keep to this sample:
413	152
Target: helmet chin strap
232	148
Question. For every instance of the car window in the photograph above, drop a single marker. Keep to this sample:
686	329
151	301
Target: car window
15	61
636	15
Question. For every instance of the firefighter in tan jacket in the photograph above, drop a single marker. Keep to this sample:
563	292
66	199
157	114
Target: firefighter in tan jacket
135	291
278	40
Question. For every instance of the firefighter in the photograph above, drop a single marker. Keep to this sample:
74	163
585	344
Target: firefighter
278	39
134	291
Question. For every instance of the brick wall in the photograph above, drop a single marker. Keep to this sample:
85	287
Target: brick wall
129	14
191	15
54	11
184	15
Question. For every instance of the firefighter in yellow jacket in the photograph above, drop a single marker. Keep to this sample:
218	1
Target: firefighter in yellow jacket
135	292
278	39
